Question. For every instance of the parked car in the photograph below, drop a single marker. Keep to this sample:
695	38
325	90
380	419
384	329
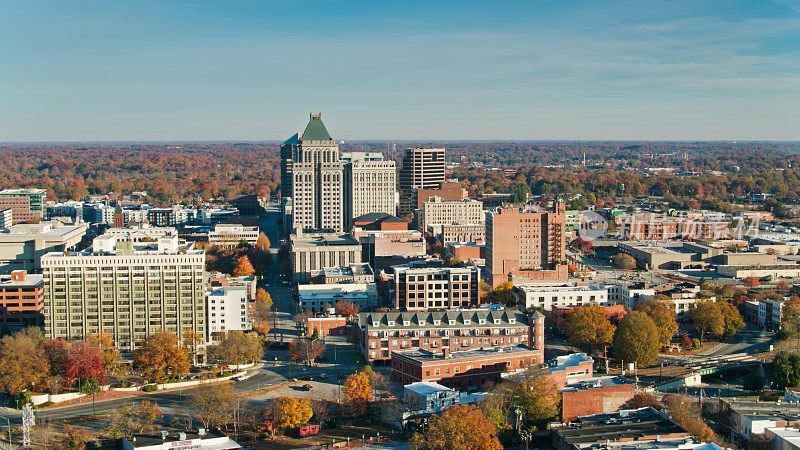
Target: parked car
324	376
387	395
307	387
307	378
342	376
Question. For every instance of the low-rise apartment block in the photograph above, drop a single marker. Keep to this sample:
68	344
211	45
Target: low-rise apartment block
382	333
423	288
548	297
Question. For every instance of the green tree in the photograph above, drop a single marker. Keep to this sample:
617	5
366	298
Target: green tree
785	370
637	339
589	327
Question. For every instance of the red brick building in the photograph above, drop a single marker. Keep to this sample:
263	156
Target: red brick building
525	244
595	396
449	191
21	299
464	251
327	326
460	370
571	368
615	314
382	333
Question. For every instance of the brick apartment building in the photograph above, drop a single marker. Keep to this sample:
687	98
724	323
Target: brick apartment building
527	245
21	300
382	333
463	369
422	288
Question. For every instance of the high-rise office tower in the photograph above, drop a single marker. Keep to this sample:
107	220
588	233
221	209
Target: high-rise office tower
312	177
423	168
528	245
370	185
324	190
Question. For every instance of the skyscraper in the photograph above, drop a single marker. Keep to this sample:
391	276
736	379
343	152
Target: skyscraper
324	190
423	168
312	176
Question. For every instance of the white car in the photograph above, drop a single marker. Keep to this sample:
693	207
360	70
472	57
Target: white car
242	377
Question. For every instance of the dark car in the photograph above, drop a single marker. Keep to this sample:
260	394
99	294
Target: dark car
307	378
387	395
324	376
307	387
342	376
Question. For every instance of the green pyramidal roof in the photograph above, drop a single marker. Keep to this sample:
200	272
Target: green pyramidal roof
315	130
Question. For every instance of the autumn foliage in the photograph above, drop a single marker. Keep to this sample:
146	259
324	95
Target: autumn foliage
357	390
461	427
243	267
160	357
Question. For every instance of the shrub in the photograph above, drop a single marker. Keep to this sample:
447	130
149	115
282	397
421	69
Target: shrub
695	343
150	388
753	383
45	405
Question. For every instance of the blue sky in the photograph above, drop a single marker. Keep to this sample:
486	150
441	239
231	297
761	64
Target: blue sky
253	70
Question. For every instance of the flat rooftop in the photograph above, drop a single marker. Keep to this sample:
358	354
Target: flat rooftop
30	280
426	356
767	410
24	191
626	425
52	229
323	240
595	382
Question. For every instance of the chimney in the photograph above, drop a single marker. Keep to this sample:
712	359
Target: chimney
19	275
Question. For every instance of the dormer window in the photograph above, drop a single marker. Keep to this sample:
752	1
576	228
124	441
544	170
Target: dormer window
451	322
391	323
436	322
374	324
467	322
406	323
481	321
497	321
512	320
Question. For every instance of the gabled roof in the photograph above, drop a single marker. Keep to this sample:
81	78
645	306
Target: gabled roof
315	130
